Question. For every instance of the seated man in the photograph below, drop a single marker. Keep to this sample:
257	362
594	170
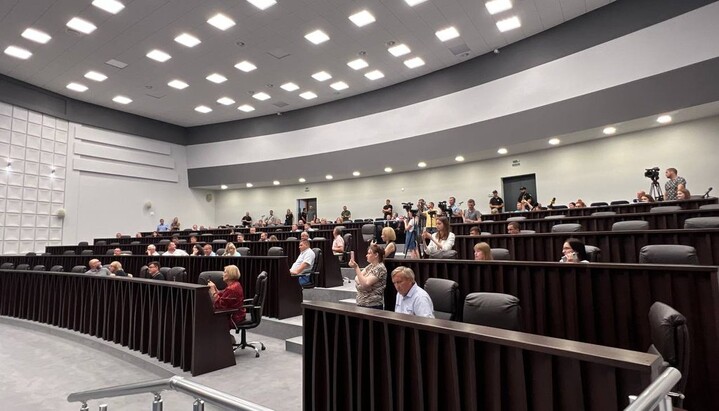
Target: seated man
151	250
305	236
302	267
173	250
474	231
153	270
240	238
263	236
117	251
513	227
207	251
338	244
411	298
96	268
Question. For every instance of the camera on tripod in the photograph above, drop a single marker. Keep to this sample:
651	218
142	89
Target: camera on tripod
442	206
407	206
655	190
652	173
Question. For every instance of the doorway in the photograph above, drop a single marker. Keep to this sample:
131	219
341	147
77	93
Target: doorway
304	204
510	189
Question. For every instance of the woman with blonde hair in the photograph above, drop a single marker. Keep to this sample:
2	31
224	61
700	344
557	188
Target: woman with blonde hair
233	296
482	252
388	236
231	251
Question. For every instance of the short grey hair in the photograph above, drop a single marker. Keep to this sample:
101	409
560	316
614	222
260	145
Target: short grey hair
406	272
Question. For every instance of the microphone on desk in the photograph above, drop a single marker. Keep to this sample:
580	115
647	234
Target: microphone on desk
706	195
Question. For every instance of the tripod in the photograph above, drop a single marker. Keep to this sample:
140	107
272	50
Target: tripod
656	190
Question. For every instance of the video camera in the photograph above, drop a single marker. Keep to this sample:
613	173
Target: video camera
442	205
652	173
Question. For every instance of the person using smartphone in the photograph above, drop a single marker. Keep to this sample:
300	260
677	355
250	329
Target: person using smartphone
574	252
371	280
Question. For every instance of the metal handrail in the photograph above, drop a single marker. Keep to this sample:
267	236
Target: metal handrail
176	383
656	393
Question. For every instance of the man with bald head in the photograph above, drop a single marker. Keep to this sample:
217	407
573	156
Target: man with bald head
96	268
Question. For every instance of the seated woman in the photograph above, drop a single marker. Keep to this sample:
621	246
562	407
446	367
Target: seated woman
273	238
580	204
115	269
683	194
231	297
443	239
371	280
482	252
388	236
338	243
175	225
231	251
197	249
646	198
574	252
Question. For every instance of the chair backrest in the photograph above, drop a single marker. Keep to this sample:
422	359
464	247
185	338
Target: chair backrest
670	339
68	252
78	269
165	272
665	209
87	252
143	272
83	244
275	252
445	297
500	254
128	252
619	202
291	238
348	242
630	225
23	267
555	217
567	228
603	213
593	253
702	222
178	274
164	241
599	204
57	268
319	239
7	266
317	266
668	254
527	232
244	251
559	207
136	242
517	218
215	276
30	254
39	267
100	242
709	207
493	310
368	232
219	241
220	251
260	293
110	251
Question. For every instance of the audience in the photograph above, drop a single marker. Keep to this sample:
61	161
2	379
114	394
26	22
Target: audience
173	250
115	269
474	231
153	270
231	251
496	204
302	267
482	252
574	252
175	225
96	268
371	280
151	250
389	236
683	194
387	209
232	297
675	183
273	238
289	217
263	236
193	239
162	226
472	215
117	251
207	251
240	238
411	298
197	249
246	219
305	236
580	203
646	198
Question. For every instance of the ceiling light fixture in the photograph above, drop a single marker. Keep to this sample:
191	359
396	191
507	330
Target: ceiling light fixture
290	87
421	164
308	95
178	84
187	40
223	187
203	109
362	18
356	173
388	169
322	76
399	50
36	35
358	64
221	21
413	3
262	96
216	78
248	185
80	25
554	141
301	180
246	108
498	6
77	87
158	55
447	34
664	119
374	75
95	76
340	85
414	62
459	158
225	101
509	24
18	52
329	176
317	37
502	151
262	4
110	6
609	131
276	183
245	66
122	100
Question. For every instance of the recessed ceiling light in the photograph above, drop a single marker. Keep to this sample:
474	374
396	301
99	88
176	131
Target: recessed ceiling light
262	4
421	164
554	141
95	76
447	34
498	6
508	24
245	66
216	78
223	187
246	108
18	52
322	76
290	87
308	95
362	18
187	40
358	64
317	37
301	180
262	96
76	87
110	6
609	130
158	55
459	158
122	100
399	50
36	35
203	109
502	151
248	185
276	183
388	169
414	62
116	64
374	75
225	101
340	85
413	3
221	21
178	84
356	173
664	119
329	176
83	26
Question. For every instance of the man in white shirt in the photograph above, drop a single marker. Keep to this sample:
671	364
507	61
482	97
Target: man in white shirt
173	250
151	250
302	267
411	298
96	268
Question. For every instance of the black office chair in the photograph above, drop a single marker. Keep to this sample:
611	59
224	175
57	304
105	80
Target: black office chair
7	266
163	242
57	269
567	228
345	257
318	239
445	297
143	272
87	252
30	254
83	244
219	241
79	269
25	267
214	276
244	251
619	202
136	242
68	252
599	204
178	274
709	207
702	222
368	232
630	225
555	217
603	213
493	310
253	307
275	252
165	271
665	209
291	238
517	218
500	254
110	251
670	339
593	253
39	267
220	251
668	254
100	242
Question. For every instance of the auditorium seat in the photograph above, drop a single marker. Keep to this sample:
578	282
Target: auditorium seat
87	252
165	272
555	217
79	269
57	268
368	232
244	251
567	228
316	268
83	244
709	207
665	209
493	310
516	218
110	251
220	251
630	225
500	254
100	242
178	274
23	267
599	204
219	241
348	248
485	233
668	254
445	297
7	266
39	267
68	252
559	207
254	316
527	232
114	244
702	222
30	254
275	252
593	253
603	213
214	276
670	339
291	238
128	252
619	202
318	239
143	272
136	242
164	241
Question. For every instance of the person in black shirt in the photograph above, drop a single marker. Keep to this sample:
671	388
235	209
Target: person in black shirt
496	204
525	200
247	220
387	210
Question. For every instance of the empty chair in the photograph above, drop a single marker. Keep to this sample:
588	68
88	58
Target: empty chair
214	276
630	225
193	233
702	222
619	202
39	267
87	252
206	235
318	239
164	241
368	232
143	272
30	254
254	316
181	241
135	242
178	274
598	204
291	238
604	213
23	267
500	254
219	241
517	218
57	268
348	247
165	271
275	252
46	254
555	217
114	244
100	242
567	228
665	209
593	253
668	254
78	269
709	207
110	251
83	244
244	251
670	339
220	251
493	310
7	266
485	233
445	297
68	252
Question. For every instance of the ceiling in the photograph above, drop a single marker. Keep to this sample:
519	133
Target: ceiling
272	39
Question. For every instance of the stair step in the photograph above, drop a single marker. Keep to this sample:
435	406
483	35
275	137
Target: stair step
294	345
280	329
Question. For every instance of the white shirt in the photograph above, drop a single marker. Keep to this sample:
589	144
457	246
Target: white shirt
446	244
416	302
177	252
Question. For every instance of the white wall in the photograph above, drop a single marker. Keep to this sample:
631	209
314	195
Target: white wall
602	170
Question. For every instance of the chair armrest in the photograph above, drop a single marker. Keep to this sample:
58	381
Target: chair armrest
226	311
247	300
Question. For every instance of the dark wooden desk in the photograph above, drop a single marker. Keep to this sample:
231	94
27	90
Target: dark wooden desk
173	322
361	359
604	304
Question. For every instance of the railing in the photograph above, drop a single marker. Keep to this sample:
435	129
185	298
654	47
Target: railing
201	393
657	393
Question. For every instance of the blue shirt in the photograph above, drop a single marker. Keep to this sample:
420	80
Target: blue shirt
163	227
416	302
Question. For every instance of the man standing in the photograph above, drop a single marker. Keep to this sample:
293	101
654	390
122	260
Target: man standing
411	298
162	226
173	250
246	219
496	204
387	210
96	268
472	215
311	214
453	208
302	267
524	201
675	182
346	214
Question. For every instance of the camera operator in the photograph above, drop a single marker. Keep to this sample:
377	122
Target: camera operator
675	182
525	200
454	208
430	216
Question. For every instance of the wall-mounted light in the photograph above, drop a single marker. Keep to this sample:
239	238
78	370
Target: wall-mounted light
52	173
9	166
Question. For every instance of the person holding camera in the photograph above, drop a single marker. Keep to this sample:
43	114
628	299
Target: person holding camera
442	239
675	182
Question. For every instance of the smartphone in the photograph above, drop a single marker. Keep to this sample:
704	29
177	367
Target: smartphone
352	255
